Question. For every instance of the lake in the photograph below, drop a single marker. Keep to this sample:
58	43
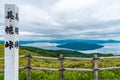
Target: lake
108	47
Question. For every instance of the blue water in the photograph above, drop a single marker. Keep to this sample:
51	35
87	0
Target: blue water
108	47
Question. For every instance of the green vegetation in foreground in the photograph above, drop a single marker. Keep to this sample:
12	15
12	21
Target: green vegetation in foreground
50	75
56	53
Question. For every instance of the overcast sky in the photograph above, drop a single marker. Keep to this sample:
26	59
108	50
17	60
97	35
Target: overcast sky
66	19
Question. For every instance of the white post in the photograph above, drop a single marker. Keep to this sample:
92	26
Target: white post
11	42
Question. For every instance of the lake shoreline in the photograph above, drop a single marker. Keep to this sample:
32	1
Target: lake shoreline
113	48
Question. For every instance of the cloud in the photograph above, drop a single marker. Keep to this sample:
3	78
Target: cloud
108	10
67	19
73	5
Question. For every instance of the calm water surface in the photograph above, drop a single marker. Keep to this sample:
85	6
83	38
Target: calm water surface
108	47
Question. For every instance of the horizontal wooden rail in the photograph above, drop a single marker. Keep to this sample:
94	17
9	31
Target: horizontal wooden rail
44	69
109	57
61	58
20	68
69	58
108	68
22	56
78	69
1	58
47	58
77	58
1	71
65	69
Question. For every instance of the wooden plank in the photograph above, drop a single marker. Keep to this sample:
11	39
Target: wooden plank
108	68
66	69
77	58
1	58
70	58
78	69
44	69
1	71
20	68
109	57
47	58
22	56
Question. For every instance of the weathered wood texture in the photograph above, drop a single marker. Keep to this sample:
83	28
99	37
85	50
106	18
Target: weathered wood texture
61	58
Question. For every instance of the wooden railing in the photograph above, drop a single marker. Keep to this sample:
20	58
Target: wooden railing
61	58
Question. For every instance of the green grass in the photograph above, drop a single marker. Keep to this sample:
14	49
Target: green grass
69	75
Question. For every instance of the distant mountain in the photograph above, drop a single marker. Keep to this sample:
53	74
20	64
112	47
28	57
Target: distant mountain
85	41
28	41
34	41
67	41
80	46
1	42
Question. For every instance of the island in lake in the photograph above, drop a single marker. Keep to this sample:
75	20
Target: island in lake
80	46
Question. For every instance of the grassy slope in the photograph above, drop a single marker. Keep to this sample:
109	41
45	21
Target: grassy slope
46	75
55	53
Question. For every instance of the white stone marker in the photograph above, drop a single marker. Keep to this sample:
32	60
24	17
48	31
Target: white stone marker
11	42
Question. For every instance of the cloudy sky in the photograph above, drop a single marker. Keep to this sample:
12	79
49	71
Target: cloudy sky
66	19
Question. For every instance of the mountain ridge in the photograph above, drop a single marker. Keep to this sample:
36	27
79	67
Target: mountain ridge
68	41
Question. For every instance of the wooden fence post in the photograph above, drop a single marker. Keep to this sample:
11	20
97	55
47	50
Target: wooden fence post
28	67
61	67
95	67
